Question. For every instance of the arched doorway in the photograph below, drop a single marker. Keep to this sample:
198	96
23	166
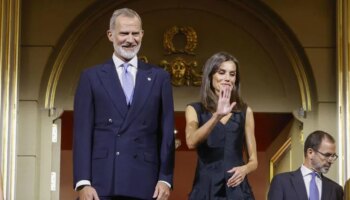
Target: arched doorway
275	74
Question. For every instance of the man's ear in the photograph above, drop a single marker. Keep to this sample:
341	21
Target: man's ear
309	151
142	33
110	35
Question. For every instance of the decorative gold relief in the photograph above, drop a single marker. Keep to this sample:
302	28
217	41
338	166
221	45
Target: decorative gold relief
182	72
191	40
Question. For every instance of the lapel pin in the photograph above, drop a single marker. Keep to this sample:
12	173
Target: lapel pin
149	79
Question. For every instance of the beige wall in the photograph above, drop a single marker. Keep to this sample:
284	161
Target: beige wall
269	83
314	26
43	23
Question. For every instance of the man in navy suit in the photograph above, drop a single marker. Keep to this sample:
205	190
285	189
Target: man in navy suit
319	153
124	138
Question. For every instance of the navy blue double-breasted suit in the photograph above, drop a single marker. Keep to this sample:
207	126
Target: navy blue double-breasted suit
123	150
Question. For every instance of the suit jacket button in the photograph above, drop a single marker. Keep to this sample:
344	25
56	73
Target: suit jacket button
110	120
117	153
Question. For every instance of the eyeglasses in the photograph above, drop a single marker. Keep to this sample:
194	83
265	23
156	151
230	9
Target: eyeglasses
330	157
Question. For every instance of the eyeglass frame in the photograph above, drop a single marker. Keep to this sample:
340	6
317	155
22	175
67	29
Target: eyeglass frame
332	157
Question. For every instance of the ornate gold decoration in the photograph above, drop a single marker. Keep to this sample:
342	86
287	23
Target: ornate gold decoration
182	72
191	40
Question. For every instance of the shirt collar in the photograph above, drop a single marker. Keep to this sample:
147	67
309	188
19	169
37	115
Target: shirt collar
306	171
118	62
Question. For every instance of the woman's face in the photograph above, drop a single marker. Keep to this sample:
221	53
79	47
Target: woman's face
225	76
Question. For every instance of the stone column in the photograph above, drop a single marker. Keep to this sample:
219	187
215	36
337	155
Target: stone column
343	70
9	62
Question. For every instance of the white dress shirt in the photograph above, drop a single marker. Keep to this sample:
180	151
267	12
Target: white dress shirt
119	67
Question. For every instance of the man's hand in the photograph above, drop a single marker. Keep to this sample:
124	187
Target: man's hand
88	193
162	191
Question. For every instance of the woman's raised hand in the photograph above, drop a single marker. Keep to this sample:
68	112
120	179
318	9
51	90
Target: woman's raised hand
224	106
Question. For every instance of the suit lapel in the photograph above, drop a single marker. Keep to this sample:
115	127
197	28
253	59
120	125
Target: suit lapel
299	185
110	81
326	189
144	82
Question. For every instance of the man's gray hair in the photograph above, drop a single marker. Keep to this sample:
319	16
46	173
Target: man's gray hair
127	12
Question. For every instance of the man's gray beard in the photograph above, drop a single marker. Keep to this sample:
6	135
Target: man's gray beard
127	55
324	171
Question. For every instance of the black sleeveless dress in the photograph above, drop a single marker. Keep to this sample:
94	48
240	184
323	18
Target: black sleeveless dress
220	152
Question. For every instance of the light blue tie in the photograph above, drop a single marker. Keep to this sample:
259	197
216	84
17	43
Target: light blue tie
128	83
314	194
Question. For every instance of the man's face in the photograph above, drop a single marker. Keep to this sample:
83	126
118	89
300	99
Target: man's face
321	160
126	37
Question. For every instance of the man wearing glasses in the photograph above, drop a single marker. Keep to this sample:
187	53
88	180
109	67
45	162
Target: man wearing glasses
308	182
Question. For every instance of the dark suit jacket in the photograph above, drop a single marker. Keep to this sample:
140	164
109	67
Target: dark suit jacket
291	186
123	151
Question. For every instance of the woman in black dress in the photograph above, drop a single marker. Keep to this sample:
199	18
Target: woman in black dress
219	127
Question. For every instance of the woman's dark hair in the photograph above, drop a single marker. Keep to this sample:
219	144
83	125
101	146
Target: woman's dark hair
209	98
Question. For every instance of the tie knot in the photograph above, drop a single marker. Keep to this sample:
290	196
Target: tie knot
314	174
126	66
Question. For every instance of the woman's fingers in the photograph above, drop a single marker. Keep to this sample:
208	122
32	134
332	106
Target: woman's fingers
237	177
234	181
225	92
224	105
233	105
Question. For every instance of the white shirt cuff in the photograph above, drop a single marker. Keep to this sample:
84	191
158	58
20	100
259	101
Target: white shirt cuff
82	182
166	183
86	182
